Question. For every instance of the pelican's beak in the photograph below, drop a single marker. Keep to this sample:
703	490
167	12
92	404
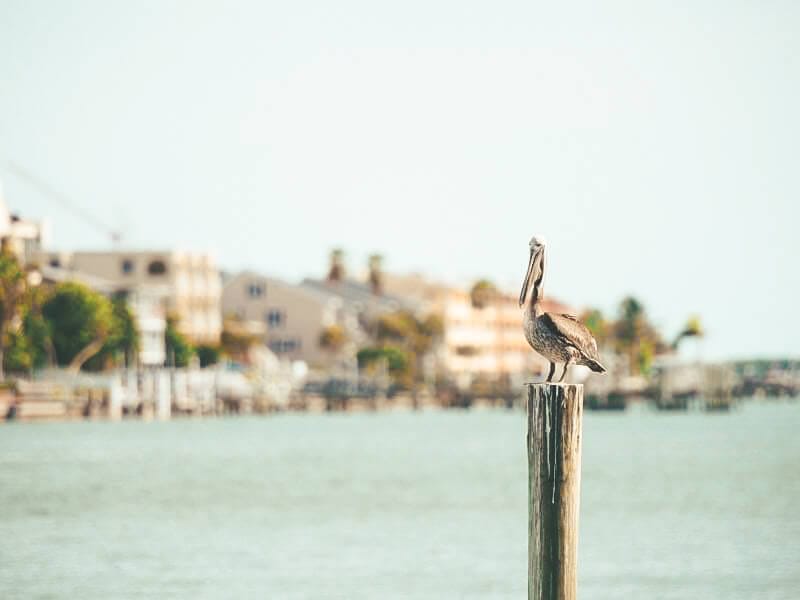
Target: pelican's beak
525	282
533	273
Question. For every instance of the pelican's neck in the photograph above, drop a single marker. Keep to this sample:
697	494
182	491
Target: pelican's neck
535	301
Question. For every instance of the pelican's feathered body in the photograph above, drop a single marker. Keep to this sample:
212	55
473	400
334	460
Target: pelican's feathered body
559	338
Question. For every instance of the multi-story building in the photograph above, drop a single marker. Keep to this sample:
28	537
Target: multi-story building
477	341
148	304
290	318
360	298
191	282
485	340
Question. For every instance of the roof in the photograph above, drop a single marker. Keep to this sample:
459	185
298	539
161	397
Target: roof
104	286
59	275
354	292
236	279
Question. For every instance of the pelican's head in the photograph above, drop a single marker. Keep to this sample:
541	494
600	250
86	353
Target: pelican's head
535	270
537	242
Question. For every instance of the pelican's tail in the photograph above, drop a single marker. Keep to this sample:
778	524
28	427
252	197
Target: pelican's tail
595	366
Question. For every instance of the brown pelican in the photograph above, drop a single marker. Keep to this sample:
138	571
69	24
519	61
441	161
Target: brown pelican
559	338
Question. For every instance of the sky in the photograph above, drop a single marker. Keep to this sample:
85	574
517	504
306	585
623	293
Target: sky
654	145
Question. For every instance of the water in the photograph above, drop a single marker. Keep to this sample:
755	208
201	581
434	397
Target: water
429	505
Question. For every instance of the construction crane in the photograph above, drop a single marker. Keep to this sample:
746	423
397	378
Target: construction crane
48	191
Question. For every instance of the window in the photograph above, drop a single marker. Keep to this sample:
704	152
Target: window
127	266
467	350
255	290
274	318
55	263
157	267
284	346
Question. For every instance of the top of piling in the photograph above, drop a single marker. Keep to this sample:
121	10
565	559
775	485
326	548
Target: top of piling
552	383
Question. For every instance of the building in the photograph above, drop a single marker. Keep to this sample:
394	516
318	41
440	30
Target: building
360	299
24	238
484	340
289	318
146	302
190	281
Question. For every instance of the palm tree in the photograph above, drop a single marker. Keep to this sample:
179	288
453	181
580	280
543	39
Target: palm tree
376	274
12	288
336	272
693	328
635	337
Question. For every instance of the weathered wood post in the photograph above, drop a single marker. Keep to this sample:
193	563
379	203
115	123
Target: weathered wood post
555	412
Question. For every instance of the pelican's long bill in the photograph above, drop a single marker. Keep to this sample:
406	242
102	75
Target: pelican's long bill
534	273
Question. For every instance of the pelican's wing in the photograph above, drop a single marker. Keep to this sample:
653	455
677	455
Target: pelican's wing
572	332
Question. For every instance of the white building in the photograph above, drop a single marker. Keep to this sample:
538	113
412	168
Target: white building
148	304
191	281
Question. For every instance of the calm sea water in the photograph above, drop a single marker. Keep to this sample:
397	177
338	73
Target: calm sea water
427	505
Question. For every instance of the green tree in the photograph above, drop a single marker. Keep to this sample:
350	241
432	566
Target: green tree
179	350
395	327
597	324
397	362
79	321
644	356
482	293
376	274
333	338
635	337
30	347
432	327
208	354
416	337
236	340
404	328
12	289
629	323
18	356
122	342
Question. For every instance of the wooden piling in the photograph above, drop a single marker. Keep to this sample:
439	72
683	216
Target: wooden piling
555	413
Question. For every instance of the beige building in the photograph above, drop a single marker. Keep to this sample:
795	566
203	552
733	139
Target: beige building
477	341
487	341
191	281
290	317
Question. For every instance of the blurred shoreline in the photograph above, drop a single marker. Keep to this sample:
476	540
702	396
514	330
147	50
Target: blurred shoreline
163	394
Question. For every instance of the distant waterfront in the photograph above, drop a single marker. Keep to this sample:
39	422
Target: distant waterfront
394	505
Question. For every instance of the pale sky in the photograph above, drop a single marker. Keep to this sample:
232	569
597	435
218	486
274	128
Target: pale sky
654	146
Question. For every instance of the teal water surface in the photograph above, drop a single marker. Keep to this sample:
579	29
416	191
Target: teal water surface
394	505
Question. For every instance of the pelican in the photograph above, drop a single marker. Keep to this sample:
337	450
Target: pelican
559	338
